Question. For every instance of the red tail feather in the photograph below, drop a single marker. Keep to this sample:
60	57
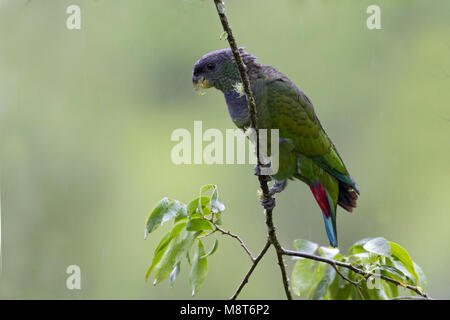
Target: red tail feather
321	197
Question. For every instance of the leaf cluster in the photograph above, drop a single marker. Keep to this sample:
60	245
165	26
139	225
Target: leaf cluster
192	222
378	256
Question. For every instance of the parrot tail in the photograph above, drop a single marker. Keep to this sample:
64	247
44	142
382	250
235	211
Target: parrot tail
328	211
347	196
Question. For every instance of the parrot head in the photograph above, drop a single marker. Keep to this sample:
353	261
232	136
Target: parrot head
218	69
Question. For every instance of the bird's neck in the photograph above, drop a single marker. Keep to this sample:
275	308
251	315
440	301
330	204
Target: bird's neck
237	108
231	78
228	84
237	101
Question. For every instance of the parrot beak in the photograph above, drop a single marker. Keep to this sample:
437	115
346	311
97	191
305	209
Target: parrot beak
201	83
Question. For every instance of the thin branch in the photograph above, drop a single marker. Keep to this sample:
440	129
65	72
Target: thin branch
410	298
355	283
279	250
263	179
358	288
220	6
249	272
228	233
284	274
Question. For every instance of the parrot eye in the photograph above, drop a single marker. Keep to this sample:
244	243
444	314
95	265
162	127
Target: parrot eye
210	66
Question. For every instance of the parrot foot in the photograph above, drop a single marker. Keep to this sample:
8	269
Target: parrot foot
267	203
278	187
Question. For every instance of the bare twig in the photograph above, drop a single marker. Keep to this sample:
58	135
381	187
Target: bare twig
263	179
358	288
279	250
228	233
355	283
249	272
284	274
410	298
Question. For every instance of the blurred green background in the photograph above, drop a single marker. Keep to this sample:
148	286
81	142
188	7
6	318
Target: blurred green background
86	118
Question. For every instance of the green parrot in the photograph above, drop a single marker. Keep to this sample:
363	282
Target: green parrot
306	152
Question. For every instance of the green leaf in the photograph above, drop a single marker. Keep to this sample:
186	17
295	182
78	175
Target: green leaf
213	249
340	288
164	267
174	274
302	276
322	286
197	204
373	288
178	245
162	246
402	255
188	257
165	210
218	217
422	282
158	253
199	225
216	205
199	268
223	35
319	272
182	214
392	272
328	252
305	246
192	206
409	278
379	246
393	289
375	258
204	201
362	256
206	211
357	247
355	294
375	291
196	215
206	188
387	289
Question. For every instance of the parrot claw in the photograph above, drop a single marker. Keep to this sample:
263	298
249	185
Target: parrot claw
267	203
278	187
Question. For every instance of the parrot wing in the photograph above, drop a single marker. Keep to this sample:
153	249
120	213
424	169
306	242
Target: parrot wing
293	114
